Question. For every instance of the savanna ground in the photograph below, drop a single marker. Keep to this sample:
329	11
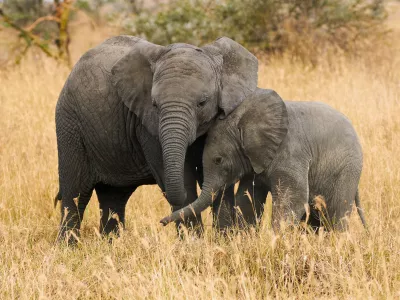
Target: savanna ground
148	261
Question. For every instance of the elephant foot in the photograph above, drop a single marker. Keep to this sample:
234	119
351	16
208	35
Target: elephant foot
68	236
110	238
112	230
189	228
313	224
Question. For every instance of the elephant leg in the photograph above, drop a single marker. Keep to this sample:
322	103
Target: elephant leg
112	202
223	209
249	208
193	223
290	194
339	199
76	182
314	218
73	205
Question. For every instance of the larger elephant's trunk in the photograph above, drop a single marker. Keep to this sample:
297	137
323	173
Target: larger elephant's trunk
176	133
208	194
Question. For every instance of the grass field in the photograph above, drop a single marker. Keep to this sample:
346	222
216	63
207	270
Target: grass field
148	261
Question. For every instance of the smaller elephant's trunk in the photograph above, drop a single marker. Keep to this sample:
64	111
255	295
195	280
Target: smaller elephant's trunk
194	209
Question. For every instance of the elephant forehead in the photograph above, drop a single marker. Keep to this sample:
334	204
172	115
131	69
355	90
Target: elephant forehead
183	45
184	66
220	132
185	56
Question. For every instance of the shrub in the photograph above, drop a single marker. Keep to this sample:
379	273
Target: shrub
268	25
47	30
24	12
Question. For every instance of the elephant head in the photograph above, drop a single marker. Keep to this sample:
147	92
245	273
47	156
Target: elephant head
246	141
178	90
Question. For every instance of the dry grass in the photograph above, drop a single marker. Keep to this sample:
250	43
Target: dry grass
148	261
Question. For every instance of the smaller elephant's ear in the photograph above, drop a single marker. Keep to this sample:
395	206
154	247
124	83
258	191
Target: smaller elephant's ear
263	127
238	69
132	76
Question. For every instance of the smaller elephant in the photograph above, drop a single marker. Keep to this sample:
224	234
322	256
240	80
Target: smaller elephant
298	150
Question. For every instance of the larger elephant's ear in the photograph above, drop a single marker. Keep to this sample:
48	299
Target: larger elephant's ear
239	72
132	76
263	127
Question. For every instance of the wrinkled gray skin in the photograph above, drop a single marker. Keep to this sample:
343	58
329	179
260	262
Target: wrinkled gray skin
130	110
297	149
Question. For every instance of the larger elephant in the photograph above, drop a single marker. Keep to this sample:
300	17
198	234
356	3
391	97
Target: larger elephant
129	111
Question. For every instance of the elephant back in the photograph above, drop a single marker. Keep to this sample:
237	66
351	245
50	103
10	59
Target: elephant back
106	54
324	135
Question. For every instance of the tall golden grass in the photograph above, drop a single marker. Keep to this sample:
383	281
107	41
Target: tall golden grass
148	261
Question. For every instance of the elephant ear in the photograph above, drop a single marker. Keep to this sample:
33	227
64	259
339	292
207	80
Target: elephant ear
263	127
132	76
239	72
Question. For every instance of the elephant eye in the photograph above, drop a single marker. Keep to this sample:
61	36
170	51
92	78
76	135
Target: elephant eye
218	160
203	101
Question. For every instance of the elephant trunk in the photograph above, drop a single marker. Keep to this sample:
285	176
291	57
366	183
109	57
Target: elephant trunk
176	134
206	198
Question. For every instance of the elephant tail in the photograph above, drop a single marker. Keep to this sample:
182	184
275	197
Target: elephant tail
57	198
360	210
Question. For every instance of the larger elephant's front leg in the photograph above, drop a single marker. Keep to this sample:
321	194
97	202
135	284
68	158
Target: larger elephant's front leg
153	153
193	223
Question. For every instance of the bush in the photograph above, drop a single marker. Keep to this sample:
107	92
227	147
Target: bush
268	25
47	29
24	12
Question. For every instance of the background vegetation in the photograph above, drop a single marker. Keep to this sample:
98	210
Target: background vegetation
266	25
148	261
296	26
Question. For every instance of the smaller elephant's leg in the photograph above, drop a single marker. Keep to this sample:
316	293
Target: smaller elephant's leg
290	194
112	202
223	209
339	200
193	223
314	218
250	207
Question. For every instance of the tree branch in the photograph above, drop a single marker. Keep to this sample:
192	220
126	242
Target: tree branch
27	35
40	20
